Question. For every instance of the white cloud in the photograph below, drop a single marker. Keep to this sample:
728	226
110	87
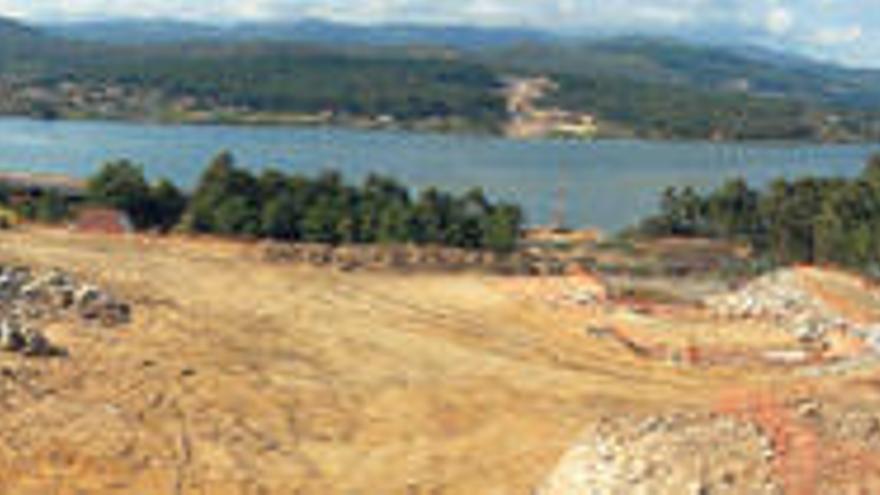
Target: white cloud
838	36
829	27
779	21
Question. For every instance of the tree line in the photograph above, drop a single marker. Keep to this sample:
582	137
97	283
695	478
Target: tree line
232	201
808	220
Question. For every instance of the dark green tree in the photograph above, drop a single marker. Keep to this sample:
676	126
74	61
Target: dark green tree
122	185
395	224
221	182
51	207
321	222
732	210
431	216
502	230
237	216
168	204
282	217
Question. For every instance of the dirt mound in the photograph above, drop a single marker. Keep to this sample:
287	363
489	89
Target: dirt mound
811	303
376	257
667	455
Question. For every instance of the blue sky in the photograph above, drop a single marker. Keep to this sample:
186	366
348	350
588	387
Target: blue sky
842	30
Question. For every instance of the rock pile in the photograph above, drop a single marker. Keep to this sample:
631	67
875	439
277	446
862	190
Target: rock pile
29	297
349	257
781	297
675	455
412	257
17	337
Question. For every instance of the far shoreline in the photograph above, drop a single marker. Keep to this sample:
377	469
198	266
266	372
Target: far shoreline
415	129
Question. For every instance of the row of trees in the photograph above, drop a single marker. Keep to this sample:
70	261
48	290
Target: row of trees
811	220
232	201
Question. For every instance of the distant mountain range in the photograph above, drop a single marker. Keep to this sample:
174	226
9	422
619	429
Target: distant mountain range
10	28
306	31
743	69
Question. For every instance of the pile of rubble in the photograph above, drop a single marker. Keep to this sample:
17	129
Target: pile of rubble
695	454
350	257
29	298
415	257
782	298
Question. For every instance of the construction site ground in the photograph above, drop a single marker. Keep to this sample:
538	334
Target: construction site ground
238	376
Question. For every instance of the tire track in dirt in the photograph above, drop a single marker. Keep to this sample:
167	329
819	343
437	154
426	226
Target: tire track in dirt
246	326
373	300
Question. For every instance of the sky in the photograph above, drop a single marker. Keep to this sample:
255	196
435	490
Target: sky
845	31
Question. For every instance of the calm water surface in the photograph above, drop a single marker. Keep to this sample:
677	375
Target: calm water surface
609	184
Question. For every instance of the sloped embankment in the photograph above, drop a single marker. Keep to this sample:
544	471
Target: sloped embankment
811	303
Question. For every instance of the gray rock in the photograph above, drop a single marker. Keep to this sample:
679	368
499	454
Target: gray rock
12	338
36	344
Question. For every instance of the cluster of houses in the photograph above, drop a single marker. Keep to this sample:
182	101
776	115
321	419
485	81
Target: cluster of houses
70	98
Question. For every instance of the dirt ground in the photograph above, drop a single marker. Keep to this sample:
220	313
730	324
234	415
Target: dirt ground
243	377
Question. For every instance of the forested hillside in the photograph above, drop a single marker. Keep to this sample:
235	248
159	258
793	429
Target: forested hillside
746	70
267	77
672	111
634	87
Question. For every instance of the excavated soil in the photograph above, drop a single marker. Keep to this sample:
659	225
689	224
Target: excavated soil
238	376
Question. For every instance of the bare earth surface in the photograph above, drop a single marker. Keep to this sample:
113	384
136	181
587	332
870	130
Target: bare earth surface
242	377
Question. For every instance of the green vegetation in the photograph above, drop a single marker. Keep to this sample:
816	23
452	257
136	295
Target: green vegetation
238	80
663	88
121	185
809	220
49	207
668	111
232	201
749	69
647	88
642	89
286	78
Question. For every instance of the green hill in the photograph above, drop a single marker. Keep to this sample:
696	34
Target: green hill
750	70
636	86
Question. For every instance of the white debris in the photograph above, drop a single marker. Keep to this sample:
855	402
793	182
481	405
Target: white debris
782	298
666	456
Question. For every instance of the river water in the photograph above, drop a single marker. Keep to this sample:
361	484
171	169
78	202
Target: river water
607	184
